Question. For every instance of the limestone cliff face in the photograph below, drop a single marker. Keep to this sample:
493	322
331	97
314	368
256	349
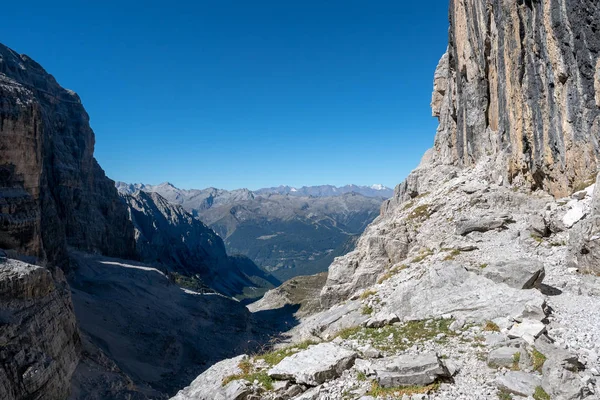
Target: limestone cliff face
520	83
39	341
52	190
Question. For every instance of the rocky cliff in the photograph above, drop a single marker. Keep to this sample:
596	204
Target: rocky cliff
519	83
166	234
39	341
53	193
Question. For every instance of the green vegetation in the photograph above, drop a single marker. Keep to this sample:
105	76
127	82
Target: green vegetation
263	379
391	273
361	377
536	238
366	294
483	266
367	310
490	326
274	357
420	213
516	360
453	254
399	337
398	392
540	394
423	254
193	283
538	360
250	375
502	395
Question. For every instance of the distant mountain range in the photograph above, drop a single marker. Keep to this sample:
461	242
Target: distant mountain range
285	230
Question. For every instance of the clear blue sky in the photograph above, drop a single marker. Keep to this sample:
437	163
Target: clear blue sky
244	93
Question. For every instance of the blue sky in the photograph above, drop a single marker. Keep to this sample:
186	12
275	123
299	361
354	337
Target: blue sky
244	93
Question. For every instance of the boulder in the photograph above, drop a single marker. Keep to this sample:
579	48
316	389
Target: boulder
314	366
527	330
519	383
209	385
409	370
503	357
537	226
381	319
574	215
519	274
483	224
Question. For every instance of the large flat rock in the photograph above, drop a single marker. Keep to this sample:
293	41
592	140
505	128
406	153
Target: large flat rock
315	365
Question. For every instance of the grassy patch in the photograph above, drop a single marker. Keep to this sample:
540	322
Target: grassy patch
391	273
483	266
399	337
188	282
536	238
398	392
584	184
538	360
274	357
453	254
361	377
516	361
263	379
540	394
423	254
502	395
366	294
491	326
408	205
367	310
420	213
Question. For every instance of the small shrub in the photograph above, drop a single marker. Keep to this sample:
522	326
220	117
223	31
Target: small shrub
502	395
391	273
453	254
366	294
483	266
367	310
361	377
516	360
422	255
538	360
540	394
491	326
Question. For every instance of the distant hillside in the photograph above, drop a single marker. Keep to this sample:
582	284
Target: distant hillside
286	232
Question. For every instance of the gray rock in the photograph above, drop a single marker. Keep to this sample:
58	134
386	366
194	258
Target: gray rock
409	370
520	274
527	330
314	366
482	224
382	319
519	383
237	390
538	226
208	386
504	357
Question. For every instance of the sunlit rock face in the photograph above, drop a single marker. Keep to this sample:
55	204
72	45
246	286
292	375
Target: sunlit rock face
520	84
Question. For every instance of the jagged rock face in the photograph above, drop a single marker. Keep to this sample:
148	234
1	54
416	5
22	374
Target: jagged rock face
39	342
167	234
520	83
52	190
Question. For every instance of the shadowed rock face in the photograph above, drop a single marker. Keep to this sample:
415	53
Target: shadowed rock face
520	83
39	342
52	190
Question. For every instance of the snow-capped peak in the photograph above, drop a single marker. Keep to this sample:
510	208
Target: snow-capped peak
378	187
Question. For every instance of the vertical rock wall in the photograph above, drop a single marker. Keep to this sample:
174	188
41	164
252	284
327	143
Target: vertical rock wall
52	190
520	83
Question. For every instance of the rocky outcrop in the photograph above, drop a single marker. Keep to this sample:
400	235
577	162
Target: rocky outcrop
39	341
53	193
519	84
584	240
166	234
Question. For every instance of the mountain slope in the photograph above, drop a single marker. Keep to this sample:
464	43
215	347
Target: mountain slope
287	235
167	234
